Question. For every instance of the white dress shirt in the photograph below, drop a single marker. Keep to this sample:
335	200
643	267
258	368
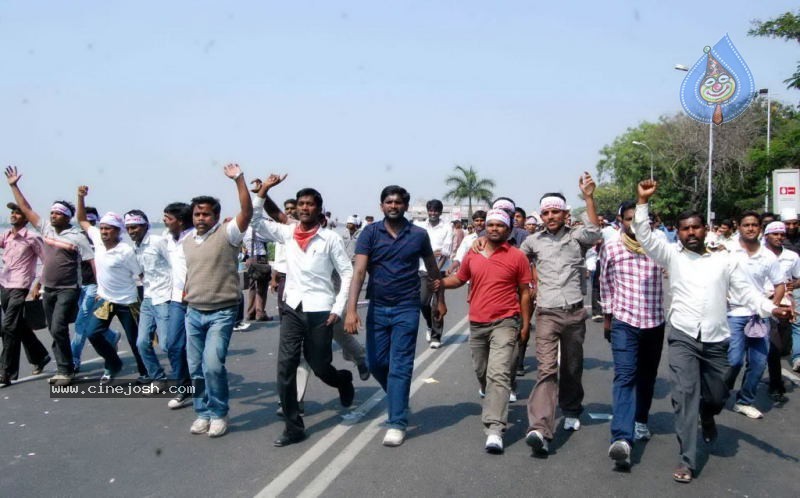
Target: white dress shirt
177	262
761	269
441	236
465	246
153	256
699	284
309	272
117	270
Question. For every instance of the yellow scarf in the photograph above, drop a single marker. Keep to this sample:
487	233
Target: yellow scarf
632	245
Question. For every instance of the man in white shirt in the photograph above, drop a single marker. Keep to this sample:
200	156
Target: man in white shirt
761	267
117	270
153	256
311	307
441	235
478	224
699	336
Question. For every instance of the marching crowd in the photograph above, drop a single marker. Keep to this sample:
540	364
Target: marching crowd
732	308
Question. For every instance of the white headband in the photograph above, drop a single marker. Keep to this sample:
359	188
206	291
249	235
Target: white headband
112	219
775	227
553	202
135	219
504	204
91	217
61	208
498	215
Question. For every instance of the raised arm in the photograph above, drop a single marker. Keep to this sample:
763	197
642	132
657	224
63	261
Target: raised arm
657	248
245	214
268	204
80	208
587	186
13	177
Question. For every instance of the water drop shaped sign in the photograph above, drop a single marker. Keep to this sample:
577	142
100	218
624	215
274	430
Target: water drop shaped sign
719	87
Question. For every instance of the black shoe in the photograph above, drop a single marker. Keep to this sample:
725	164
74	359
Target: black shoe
301	407
778	398
287	439
520	371
363	371
4	380
709	429
346	390
40	367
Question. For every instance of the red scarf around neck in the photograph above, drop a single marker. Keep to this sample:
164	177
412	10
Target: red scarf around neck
302	237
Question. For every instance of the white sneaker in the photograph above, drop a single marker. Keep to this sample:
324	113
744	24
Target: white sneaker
179	401
512	396
641	432
428	334
481	393
748	411
620	452
796	365
200	426
494	444
394	437
241	326
436	344
536	440
218	427
572	424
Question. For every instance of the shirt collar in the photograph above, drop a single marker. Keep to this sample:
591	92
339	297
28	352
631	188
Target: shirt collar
207	234
406	226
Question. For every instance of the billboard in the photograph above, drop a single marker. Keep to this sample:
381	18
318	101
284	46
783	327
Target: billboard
785	189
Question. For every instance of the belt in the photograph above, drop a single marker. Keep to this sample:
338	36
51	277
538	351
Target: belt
569	307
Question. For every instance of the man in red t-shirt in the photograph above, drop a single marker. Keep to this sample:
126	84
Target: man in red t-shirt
499	313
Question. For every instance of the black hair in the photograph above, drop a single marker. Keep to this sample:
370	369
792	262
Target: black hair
479	214
91	210
289	201
685	215
748	214
395	190
181	211
554	194
70	205
138	212
206	199
434	205
624	206
726	222
310	192
521	211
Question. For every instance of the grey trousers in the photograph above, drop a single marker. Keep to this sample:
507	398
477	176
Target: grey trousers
429	301
697	377
492	346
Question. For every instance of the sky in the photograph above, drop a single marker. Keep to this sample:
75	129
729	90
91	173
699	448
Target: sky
145	101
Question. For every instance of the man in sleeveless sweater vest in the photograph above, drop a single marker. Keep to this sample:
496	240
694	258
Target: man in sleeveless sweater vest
212	297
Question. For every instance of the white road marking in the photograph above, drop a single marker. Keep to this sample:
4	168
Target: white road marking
293	471
44	375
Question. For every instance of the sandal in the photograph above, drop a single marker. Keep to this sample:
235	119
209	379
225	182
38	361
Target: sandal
682	474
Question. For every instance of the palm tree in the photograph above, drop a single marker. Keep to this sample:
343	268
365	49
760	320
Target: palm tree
465	184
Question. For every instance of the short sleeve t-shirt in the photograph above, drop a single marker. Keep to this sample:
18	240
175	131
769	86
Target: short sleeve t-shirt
62	255
393	264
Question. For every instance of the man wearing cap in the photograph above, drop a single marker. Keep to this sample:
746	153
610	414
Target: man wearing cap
631	294
499	311
699	334
441	237
780	333
64	248
21	249
557	253
153	256
792	242
117	296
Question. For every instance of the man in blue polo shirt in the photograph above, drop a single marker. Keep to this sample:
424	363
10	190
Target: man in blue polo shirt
390	251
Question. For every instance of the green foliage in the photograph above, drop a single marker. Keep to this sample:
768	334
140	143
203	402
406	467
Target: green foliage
786	26
465	184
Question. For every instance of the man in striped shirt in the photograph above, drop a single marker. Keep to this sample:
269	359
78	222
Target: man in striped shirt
631	296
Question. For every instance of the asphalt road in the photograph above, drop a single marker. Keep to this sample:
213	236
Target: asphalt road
138	447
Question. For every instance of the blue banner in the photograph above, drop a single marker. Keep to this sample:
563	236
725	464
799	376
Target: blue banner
719	87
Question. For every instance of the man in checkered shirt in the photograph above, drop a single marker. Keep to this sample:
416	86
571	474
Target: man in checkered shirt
631	296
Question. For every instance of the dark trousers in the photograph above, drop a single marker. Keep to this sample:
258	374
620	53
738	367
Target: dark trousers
596	308
304	332
557	383
128	316
780	336
636	353
17	333
429	300
697	376
281	279
257	298
60	308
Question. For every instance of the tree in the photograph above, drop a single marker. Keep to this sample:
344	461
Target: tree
465	184
786	26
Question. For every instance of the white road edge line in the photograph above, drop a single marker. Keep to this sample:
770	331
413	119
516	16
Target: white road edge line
331	471
293	471
43	375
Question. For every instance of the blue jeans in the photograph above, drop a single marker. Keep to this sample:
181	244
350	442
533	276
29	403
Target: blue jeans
86	302
209	333
796	328
176	343
391	342
153	318
636	353
755	350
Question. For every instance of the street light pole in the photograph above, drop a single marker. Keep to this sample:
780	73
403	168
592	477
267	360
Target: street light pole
765	91
642	144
